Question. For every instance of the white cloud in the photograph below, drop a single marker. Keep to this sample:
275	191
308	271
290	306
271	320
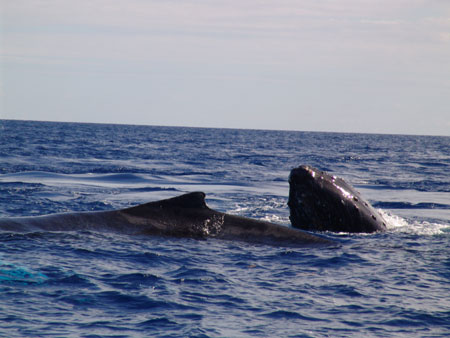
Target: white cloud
273	47
266	32
280	29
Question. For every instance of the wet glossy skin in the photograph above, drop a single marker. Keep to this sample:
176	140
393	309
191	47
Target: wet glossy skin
183	216
322	202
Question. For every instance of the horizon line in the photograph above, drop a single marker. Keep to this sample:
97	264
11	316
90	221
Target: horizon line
230	128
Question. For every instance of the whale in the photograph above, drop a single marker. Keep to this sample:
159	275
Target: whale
184	216
319	201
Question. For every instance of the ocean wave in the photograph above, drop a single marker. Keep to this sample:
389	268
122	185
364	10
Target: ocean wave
83	283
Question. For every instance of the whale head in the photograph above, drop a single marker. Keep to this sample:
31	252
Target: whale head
322	202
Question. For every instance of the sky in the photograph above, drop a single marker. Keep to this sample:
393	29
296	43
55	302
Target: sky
370	66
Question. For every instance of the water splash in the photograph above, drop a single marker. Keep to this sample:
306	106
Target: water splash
418	227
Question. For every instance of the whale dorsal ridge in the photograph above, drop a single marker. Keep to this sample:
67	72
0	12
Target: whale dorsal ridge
189	200
193	200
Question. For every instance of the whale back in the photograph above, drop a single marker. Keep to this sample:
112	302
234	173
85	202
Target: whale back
189	216
185	216
182	216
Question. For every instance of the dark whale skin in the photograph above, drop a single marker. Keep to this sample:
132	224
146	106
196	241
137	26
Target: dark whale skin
319	201
185	216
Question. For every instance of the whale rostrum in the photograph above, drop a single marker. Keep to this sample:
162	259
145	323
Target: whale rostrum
319	201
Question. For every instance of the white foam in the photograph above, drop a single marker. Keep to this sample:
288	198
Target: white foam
276	219
420	227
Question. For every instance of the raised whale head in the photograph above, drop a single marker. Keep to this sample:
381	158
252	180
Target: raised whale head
322	202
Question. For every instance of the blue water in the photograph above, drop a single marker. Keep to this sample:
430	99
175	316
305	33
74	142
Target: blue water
97	284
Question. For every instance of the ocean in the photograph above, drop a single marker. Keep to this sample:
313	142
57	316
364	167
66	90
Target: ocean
99	284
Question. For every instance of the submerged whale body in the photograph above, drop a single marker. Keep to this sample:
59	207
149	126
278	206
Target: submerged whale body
183	216
322	202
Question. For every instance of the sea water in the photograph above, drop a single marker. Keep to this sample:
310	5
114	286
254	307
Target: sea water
97	284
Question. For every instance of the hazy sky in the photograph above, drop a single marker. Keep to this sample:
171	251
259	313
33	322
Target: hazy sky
379	66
